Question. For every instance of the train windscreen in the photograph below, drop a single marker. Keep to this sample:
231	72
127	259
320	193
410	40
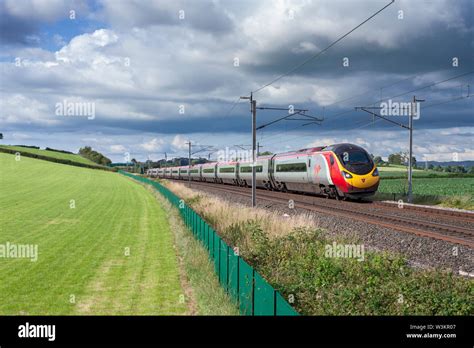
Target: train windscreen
355	159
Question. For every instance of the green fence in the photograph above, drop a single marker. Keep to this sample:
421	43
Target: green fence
245	285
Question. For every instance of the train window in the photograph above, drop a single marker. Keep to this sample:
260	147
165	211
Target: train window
175	171
359	157
248	169
208	170
183	171
331	159
291	167
194	171
227	170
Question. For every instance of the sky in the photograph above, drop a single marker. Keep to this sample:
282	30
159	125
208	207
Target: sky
138	78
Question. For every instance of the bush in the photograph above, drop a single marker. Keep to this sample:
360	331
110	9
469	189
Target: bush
381	284
94	156
28	146
62	151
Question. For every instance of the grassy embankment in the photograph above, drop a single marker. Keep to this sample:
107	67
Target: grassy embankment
290	254
53	156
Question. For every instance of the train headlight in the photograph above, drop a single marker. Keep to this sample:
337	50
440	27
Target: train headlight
346	175
375	173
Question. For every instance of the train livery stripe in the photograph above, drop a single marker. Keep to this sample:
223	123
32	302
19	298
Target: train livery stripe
336	176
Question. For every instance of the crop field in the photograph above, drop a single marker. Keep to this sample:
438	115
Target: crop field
104	244
395	170
53	154
430	186
401	171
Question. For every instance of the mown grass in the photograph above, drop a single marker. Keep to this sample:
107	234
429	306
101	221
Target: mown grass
83	267
53	154
290	253
207	294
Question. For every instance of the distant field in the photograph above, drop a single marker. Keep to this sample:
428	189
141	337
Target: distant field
54	154
82	266
394	168
430	186
401	171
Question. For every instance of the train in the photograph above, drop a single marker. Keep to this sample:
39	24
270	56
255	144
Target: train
337	171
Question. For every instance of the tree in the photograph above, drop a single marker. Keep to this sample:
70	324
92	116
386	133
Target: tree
378	160
460	169
94	156
395	158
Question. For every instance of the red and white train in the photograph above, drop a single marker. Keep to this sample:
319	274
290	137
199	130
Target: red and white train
340	171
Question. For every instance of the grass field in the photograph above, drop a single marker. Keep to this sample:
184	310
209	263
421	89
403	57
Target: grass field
53	154
431	186
111	254
396	171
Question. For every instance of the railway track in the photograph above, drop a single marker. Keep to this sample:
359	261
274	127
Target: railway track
410	219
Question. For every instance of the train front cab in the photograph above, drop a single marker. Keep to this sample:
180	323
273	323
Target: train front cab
353	172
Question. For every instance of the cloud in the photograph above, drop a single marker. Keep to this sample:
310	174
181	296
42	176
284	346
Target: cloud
179	143
117	149
88	48
20	21
144	63
207	16
154	145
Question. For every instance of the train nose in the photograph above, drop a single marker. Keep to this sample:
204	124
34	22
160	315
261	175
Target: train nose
365	181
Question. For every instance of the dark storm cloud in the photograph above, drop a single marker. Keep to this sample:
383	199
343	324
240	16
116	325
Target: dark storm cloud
430	50
15	30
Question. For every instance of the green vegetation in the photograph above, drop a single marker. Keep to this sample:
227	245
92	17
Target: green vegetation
104	243
210	297
94	156
291	255
459	202
455	190
400	158
400	171
430	186
381	284
49	153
